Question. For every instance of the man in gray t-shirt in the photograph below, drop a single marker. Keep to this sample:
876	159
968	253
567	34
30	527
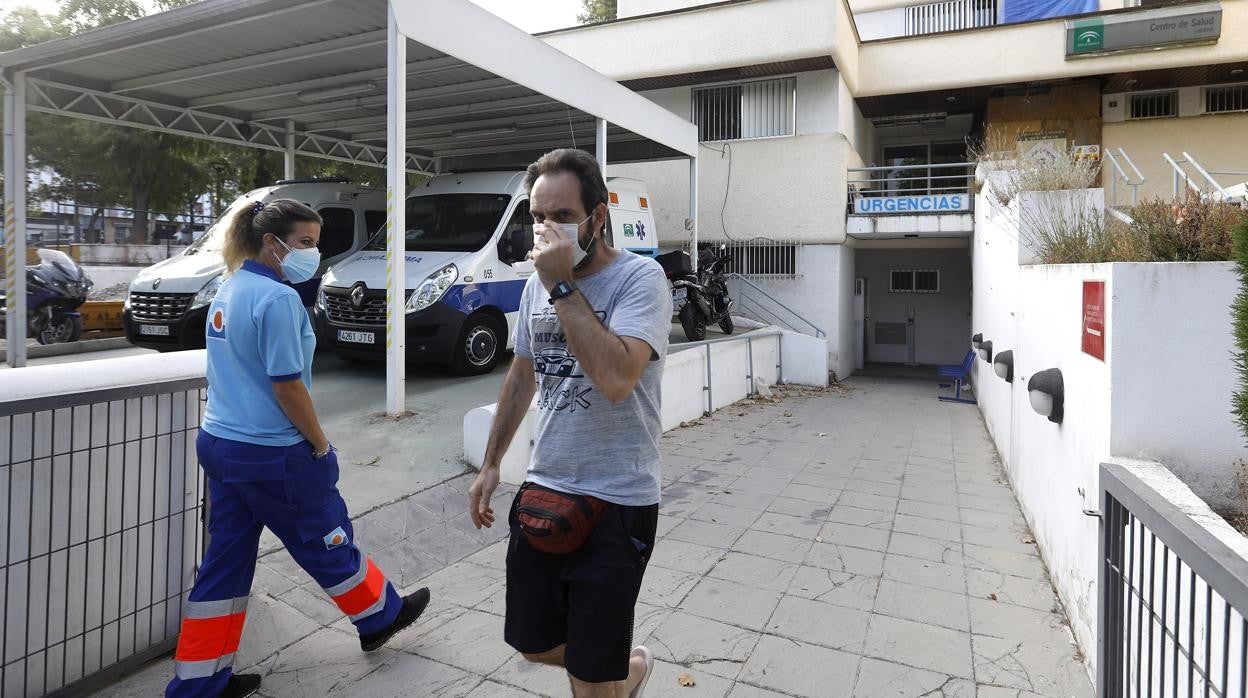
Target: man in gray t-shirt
591	338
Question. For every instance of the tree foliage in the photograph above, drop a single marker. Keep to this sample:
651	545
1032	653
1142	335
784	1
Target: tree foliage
596	11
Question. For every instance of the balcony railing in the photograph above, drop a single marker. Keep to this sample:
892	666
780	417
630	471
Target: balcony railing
911	189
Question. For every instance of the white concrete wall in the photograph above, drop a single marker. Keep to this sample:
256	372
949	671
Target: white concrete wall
942	320
127	254
881	24
764	197
710	38
1163	392
817	102
791	358
822	294
633	8
1173	378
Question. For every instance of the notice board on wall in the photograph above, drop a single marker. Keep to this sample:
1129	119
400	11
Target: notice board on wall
1094	319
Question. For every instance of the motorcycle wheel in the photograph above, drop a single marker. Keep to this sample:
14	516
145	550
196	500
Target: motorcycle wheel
725	325
61	330
693	323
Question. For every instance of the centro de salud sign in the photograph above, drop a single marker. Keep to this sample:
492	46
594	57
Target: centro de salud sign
934	203
1162	27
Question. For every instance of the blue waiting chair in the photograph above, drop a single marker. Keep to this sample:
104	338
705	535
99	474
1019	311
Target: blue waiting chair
960	375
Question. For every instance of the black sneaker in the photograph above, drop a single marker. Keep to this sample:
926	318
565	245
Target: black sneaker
241	686
413	605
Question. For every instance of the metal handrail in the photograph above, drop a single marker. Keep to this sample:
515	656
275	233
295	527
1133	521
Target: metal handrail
898	180
1113	181
934	166
748	338
1180	172
819	333
1208	178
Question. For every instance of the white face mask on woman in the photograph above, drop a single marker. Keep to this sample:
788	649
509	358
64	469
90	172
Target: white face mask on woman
299	265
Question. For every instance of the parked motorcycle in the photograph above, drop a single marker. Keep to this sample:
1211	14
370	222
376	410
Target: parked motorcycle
700	299
55	288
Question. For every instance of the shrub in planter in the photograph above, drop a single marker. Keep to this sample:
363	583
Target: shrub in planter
1185	230
1239	311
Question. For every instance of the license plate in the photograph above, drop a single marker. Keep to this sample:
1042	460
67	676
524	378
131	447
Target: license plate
355	337
158	330
679	294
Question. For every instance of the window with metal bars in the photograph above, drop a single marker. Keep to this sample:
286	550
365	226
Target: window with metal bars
953	15
758	109
914	281
1155	105
1226	98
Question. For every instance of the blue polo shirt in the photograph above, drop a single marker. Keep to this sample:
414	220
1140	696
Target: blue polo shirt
258	334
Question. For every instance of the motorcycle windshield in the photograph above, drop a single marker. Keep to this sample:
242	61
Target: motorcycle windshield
55	265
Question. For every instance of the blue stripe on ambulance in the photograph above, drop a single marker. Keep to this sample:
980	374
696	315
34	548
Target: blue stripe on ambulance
469	298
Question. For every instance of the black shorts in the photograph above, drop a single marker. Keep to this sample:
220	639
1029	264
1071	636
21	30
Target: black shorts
584	599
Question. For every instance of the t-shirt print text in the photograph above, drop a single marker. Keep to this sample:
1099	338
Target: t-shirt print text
562	384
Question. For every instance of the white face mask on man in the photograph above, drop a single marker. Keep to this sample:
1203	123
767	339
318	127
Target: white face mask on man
569	231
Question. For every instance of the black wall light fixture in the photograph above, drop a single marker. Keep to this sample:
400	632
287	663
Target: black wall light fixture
976	340
985	350
1047	394
1003	366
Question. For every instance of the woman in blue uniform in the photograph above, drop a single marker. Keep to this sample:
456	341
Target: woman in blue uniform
268	462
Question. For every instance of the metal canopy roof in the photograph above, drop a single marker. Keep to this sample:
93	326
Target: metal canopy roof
255	72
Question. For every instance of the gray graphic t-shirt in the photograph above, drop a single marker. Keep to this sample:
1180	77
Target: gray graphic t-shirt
585	444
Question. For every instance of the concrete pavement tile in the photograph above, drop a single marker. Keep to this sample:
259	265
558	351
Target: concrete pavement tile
269	581
465	584
647	619
928	528
412	675
714	512
666	524
495	605
842	558
818	623
762	485
380	528
883	489
705	645
738	604
843	470
921	493
886	473
667	588
1001	506
924	605
685	557
745	500
837	588
995	619
405	563
280	562
270	626
538	679
324	663
827	481
705	533
855	536
311	601
1032	667
999	692
798	669
760	472
920	645
925	573
744	690
1004	562
689	491
931	461
492	689
472	642
929	510
445	543
994	491
763	572
991	519
880	679
483	536
799	507
842	513
910	545
777	547
821	496
798	527
443	500
1010	541
494	556
710	478
874	502
1029	593
665	683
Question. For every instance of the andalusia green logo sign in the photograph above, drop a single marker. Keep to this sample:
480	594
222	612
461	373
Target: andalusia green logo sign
1089	36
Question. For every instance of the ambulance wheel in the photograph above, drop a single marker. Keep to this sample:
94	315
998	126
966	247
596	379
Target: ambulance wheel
480	346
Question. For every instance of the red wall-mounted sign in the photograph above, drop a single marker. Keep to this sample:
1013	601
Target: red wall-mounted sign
1094	319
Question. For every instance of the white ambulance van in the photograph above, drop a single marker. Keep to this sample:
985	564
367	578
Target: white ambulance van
466	241
167	304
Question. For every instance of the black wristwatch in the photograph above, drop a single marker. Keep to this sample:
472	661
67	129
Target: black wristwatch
563	289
